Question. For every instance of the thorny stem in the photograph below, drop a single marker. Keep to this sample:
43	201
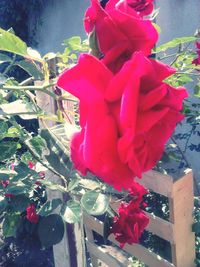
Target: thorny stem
181	152
188	73
23	139
186	144
34	88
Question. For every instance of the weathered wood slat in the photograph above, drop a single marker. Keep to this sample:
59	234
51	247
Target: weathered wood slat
157	182
143	254
101	253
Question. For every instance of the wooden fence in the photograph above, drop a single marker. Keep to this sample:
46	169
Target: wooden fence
177	230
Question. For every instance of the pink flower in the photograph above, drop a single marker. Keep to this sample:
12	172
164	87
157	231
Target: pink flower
31	214
125	119
120	31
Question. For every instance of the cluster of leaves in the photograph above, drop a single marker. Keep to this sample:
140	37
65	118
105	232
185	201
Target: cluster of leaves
44	147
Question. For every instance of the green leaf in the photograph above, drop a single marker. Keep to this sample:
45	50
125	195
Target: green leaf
89	184
175	42
26	157
50	230
6	174
19	203
94	203
24	172
10	224
3	129
93	43
197	90
17	189
3	204
13	132
58	155
53	186
196	227
38	145
11	43
74	43
49	206
31	68
8	149
71	211
157	27
4	58
74	181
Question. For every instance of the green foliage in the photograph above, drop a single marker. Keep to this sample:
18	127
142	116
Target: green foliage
31	68
11	43
49	206
9	148
174	43
51	230
71	211
95	203
10	224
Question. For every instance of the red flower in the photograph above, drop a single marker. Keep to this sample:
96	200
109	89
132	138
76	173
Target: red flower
125	119
130	224
30	165
31	214
196	61
142	7
120	32
5	184
137	191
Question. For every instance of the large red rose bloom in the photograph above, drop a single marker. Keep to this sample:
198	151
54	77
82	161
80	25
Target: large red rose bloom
125	119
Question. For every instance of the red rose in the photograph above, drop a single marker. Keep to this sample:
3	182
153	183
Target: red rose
141	7
5	184
130	224
137	191
196	61
30	165
125	119
120	32
31	214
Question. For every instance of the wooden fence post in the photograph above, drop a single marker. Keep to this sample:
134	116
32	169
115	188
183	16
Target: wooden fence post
181	207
